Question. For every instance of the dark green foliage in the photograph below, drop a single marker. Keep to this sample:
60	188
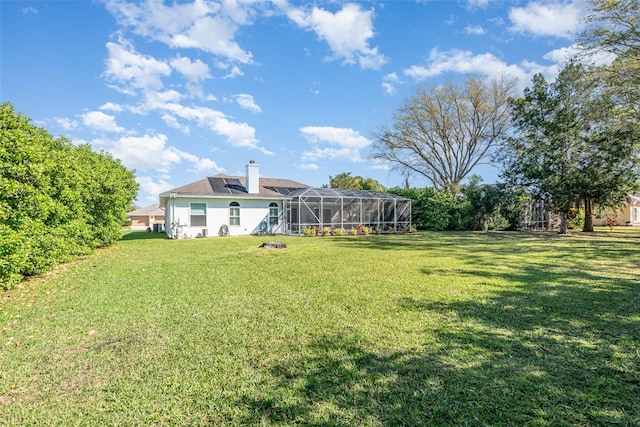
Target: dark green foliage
477	207
57	200
496	206
431	209
569	146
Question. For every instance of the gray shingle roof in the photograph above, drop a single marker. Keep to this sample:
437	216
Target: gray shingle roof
224	185
147	210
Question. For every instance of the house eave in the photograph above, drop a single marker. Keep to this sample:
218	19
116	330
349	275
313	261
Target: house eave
164	197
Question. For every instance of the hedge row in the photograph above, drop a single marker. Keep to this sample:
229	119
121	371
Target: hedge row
476	207
57	200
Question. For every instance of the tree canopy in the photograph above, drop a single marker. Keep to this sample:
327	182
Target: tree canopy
565	149
57	200
612	36
444	132
345	181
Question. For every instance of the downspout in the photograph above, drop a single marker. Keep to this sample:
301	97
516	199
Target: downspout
172	199
283	214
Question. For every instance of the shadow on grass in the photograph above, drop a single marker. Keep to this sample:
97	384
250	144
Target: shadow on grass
560	348
142	235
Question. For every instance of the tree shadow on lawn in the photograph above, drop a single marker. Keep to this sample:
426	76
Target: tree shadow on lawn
537	353
437	240
142	235
498	242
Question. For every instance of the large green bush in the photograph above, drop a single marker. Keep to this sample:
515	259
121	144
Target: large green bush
431	209
57	200
477	207
493	206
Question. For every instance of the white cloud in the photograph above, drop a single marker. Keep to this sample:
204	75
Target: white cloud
562	55
475	30
30	10
235	71
347	32
380	165
465	62
213	35
206	166
150	189
247	102
348	141
147	152
151	152
101	121
195	71
205	25
478	3
497	20
172	122
132	70
331	154
66	123
548	18
237	134
110	106
338	136
390	82
309	166
156	99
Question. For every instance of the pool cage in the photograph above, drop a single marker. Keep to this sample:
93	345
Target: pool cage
346	209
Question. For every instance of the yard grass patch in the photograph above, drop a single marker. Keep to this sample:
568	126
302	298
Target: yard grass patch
415	329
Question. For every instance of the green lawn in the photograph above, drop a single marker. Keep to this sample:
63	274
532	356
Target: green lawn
421	329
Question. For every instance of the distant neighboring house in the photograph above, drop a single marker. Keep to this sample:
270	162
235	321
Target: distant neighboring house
627	214
631	210
148	217
231	205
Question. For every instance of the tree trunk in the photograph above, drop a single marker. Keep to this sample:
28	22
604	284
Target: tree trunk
563	223
588	218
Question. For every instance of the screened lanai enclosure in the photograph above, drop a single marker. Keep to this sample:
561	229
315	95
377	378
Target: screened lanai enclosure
346	209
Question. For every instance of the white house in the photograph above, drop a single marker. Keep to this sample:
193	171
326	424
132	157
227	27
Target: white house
230	205
633	208
227	205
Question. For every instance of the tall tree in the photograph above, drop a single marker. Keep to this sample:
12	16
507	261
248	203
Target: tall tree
345	181
443	133
612	34
563	150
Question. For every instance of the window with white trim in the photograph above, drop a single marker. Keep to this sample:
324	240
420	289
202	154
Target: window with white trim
273	214
198	215
234	213
635	214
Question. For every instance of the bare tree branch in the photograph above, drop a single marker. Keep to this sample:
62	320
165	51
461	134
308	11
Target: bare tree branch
443	133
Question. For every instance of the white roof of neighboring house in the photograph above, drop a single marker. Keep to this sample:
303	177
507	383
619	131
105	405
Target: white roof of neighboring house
151	210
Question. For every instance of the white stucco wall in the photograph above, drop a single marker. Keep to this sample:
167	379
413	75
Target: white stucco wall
253	212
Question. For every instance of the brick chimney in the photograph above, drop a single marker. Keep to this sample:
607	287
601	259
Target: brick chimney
253	178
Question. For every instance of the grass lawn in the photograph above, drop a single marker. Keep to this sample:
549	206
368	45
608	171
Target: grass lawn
428	329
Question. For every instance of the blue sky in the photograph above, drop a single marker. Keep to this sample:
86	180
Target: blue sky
183	90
